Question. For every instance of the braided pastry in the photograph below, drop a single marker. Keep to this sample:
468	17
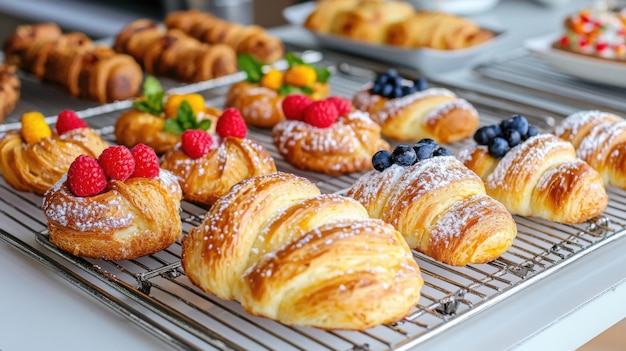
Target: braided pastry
302	258
9	90
174	54
600	140
441	208
248	39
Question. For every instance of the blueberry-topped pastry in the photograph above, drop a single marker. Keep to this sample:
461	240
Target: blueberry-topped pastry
500	138
408	155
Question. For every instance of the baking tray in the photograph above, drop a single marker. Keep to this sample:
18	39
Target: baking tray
186	318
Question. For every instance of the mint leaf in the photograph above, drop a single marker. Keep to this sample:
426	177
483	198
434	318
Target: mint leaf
323	74
204	124
287	89
293	60
151	86
252	67
152	101
171	126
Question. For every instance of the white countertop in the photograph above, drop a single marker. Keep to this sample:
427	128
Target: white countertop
40	309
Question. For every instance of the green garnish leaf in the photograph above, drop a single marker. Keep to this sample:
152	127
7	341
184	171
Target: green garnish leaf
152	101
185	119
252	67
151	86
171	126
204	124
293	60
287	89
323	74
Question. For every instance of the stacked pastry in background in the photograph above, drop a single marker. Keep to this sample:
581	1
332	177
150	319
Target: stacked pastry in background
9	90
74	62
394	23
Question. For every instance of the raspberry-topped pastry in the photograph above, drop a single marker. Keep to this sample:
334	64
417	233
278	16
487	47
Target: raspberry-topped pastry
326	136
119	206
260	96
208	165
34	157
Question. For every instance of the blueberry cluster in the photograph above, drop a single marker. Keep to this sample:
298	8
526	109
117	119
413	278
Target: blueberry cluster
407	155
391	85
500	138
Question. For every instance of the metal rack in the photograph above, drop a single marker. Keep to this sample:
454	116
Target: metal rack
188	318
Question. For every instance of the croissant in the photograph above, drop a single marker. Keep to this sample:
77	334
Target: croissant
205	179
249	39
435	113
540	177
10	86
289	253
133	218
24	37
441	208
36	167
600	140
346	146
322	18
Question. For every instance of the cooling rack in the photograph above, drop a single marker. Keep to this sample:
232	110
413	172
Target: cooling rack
186	318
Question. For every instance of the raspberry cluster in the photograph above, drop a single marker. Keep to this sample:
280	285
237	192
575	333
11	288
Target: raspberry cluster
88	176
408	155
320	114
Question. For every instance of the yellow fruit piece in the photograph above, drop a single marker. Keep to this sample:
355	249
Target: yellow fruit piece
34	127
173	102
301	76
273	79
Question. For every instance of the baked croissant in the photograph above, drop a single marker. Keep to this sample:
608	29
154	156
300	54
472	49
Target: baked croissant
288	253
24	37
9	90
133	218
36	167
435	113
600	140
322	18
248	39
441	208
205	179
540	177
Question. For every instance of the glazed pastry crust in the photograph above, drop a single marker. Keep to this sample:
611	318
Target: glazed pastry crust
541	177
36	167
346	146
302	258
441	208
205	179
133	218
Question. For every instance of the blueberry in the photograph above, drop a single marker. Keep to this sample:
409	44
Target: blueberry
387	90
397	92
484	134
420	83
392	72
441	151
377	88
519	123
532	131
397	82
404	155
424	149
382	160
406	90
498	147
381	79
512	136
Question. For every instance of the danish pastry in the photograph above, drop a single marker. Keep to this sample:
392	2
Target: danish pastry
409	110
302	258
9	90
260	96
207	171
600	140
34	158
535	175
99	210
327	136
439	205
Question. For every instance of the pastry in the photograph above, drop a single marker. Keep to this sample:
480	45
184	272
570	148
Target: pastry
409	110
158	120
9	90
73	62
208	166
244	39
600	140
321	19
35	157
326	136
598	32
535	174
174	54
260	96
439	205
118	207
301	257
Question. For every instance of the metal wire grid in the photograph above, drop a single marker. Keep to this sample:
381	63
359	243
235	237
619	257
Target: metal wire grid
523	70
450	294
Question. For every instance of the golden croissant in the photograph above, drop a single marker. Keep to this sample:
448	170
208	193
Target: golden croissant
540	177
289	253
600	140
441	208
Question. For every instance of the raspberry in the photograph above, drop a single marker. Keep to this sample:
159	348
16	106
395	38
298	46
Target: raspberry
343	105
232	124
68	120
196	143
117	162
321	114
146	161
85	177
293	106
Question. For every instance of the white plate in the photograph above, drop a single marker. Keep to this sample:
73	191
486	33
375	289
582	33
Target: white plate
587	68
424	59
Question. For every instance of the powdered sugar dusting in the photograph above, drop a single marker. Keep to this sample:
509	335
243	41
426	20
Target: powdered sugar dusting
596	146
393	106
441	110
576	120
452	222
